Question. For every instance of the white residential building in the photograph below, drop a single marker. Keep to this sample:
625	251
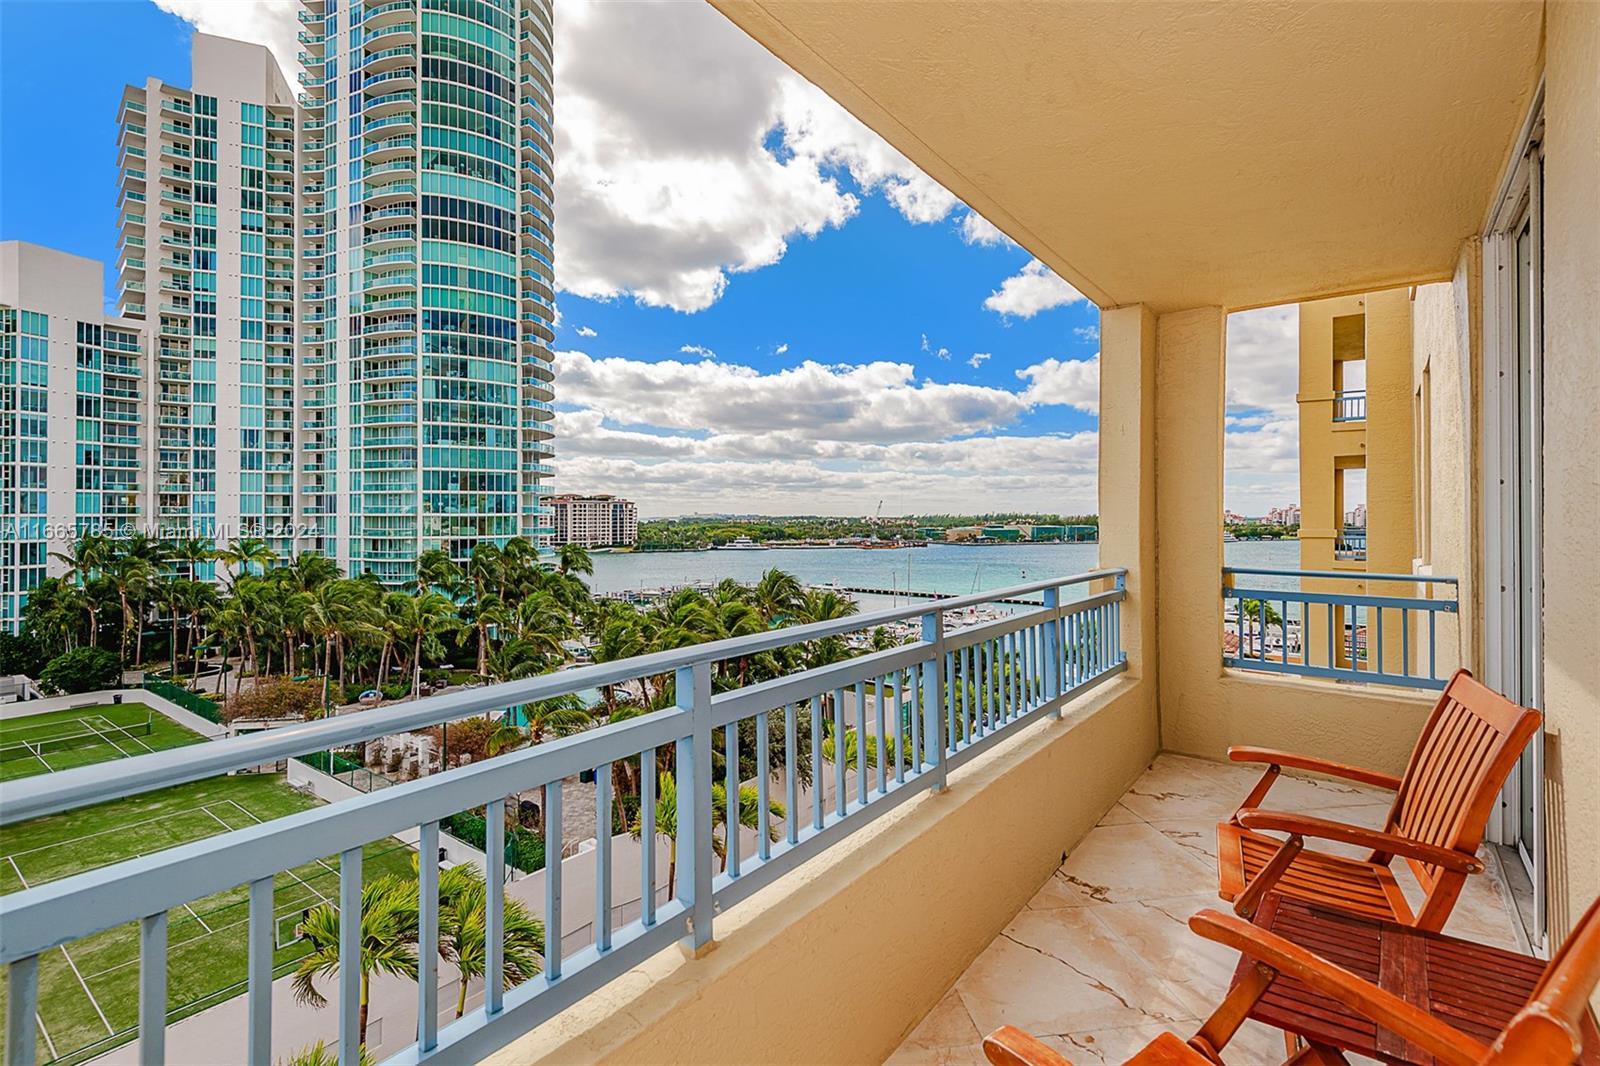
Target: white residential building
598	521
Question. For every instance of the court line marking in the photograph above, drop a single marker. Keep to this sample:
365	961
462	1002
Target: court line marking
95	1003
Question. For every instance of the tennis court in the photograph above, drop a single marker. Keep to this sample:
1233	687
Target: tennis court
88	990
81	736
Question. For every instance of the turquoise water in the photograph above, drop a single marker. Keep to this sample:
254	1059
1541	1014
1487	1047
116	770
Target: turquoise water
951	569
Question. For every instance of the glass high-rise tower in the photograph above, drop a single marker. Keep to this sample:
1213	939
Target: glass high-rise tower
433	256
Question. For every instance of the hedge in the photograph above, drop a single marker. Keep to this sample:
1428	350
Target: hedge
524	849
189	701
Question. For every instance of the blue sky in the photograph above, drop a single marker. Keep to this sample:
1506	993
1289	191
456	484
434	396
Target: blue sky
764	307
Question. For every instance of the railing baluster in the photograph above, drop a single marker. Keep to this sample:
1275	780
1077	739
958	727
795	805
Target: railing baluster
791	752
350	957
899	729
602	857
839	762
693	838
730	798
1405	641
1433	645
258	1035
861	742
948	702
552	875
153	989
1283	629
494	916
818	781
1377	659
22	1009
881	686
763	804
915	682
428	937
647	837
933	698
1333	639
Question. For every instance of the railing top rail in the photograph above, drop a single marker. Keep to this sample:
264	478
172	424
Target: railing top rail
34	797
1346	575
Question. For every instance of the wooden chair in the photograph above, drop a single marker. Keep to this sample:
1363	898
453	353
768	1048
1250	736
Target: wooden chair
1471	740
1547	1031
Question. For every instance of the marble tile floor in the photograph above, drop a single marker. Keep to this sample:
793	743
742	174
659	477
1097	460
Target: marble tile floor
1101	960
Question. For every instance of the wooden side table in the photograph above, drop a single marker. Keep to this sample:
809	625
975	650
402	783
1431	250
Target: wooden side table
1471	987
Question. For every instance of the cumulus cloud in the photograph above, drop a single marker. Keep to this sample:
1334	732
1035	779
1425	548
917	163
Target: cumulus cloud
937	353
1262	457
1033	289
1070	382
780	349
686	153
676	435
585	331
975	229
1088	333
1264	359
978	359
698	349
266	22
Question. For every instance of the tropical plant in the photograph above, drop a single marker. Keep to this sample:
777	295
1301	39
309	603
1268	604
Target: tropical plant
388	942
463	932
573	559
81	670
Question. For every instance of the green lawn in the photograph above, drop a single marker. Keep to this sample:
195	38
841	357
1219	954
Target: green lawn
84	735
88	991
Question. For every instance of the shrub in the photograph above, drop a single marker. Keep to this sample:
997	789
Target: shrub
469	737
524	849
81	670
20	653
396	690
277	697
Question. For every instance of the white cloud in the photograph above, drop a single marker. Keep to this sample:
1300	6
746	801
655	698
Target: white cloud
682	436
664	183
1263	370
978	359
1069	382
1088	333
780	349
1033	289
266	22
1261	463
937	353
698	349
585	331
975	229
664	179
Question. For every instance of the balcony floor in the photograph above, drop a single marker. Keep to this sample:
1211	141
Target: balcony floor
1101	960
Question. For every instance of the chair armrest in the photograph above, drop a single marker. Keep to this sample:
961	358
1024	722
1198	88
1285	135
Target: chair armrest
1388	1010
1311	762
1010	1046
1388	843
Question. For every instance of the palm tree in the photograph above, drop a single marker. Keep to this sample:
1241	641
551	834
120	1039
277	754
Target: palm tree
435	570
388	942
573	559
666	823
245	553
131	575
426	616
463	932
749	815
190	552
84	560
777	594
486	610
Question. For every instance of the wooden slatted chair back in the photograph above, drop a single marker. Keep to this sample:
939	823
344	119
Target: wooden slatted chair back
1467	748
1549	1029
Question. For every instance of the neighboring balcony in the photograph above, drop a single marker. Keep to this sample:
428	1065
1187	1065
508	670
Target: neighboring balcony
1350	405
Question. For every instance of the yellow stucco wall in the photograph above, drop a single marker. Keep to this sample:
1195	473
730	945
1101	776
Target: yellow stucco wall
839	961
1205	709
1571	444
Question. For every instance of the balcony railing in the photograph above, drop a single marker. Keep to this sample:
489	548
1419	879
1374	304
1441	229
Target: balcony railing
931	705
1350	405
1295	622
1351	543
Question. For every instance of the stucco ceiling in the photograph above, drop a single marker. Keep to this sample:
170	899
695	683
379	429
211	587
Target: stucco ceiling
1187	154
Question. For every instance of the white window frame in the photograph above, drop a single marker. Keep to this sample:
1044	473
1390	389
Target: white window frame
1507	642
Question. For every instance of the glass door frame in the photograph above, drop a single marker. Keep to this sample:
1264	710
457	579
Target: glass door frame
1512	443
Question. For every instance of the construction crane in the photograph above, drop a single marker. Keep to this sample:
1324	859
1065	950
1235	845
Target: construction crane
877	515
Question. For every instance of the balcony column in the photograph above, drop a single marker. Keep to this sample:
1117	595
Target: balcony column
1189	444
1128	472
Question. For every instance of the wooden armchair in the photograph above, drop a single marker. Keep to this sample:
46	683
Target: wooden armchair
1547	1031
1468	745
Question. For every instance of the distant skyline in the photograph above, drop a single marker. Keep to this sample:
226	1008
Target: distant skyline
763	306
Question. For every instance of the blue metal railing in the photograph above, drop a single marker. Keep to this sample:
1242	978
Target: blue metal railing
1350	405
1298	622
1351	543
915	712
